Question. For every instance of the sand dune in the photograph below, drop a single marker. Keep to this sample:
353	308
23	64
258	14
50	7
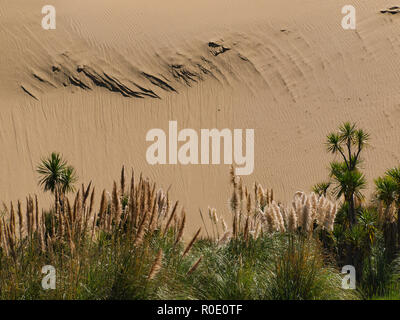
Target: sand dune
112	71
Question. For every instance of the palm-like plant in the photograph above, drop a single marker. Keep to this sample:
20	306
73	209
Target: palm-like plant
56	175
348	183
348	142
394	175
321	188
368	221
386	191
68	179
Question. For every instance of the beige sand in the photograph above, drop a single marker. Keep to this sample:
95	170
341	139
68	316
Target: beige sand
292	73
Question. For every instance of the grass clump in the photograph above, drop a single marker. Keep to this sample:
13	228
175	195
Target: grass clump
116	252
